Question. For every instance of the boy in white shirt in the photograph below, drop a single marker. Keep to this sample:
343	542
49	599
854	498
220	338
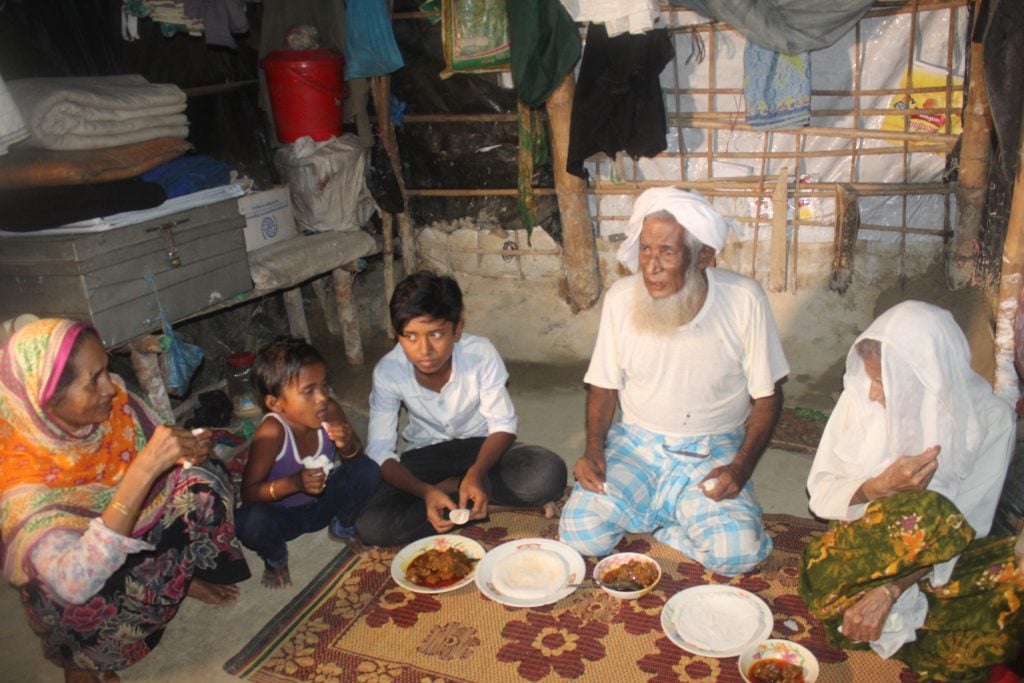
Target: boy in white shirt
461	437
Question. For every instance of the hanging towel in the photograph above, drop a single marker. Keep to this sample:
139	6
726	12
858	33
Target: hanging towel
544	46
12	126
618	16
777	88
370	47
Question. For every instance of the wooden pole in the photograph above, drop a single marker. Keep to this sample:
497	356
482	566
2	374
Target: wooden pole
348	315
381	89
780	205
975	157
579	247
389	267
1010	286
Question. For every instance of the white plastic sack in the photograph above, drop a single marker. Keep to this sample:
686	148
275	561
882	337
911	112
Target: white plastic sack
327	183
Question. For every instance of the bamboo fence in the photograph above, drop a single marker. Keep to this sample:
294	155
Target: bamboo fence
845	131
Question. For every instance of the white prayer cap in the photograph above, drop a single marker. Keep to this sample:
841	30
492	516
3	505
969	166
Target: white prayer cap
690	209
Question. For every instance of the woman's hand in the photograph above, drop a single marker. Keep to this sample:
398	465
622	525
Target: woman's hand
906	473
170	445
204	441
865	620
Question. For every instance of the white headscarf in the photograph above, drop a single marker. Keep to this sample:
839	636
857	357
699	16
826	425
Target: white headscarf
690	209
932	396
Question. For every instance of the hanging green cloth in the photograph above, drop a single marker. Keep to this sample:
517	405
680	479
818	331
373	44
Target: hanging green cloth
545	45
534	149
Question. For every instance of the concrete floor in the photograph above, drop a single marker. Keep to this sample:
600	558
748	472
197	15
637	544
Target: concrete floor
550	403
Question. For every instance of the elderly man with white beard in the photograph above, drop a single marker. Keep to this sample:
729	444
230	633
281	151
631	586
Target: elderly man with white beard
694	357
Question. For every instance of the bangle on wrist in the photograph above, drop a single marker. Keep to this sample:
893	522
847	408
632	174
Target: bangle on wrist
354	452
120	507
273	496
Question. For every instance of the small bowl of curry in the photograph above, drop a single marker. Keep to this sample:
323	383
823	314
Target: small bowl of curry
627	576
778	661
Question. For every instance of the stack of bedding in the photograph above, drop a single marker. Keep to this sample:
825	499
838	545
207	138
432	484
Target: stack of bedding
89	141
96	112
12	126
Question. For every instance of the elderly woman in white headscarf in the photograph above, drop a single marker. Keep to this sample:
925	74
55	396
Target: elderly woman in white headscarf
910	468
691	354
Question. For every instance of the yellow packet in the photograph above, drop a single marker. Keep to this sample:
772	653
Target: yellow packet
925	76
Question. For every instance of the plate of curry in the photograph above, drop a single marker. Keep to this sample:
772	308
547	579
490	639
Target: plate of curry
437	564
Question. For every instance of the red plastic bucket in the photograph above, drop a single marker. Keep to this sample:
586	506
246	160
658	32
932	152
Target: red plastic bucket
306	91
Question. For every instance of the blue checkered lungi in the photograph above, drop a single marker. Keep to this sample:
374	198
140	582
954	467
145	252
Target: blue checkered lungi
654	485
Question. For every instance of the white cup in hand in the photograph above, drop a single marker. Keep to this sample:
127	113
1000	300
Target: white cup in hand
460	516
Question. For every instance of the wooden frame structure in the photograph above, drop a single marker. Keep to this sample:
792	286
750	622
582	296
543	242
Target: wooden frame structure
855	141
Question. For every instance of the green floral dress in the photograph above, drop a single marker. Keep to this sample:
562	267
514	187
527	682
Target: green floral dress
973	622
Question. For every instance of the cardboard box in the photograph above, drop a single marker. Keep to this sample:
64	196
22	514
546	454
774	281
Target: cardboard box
268	217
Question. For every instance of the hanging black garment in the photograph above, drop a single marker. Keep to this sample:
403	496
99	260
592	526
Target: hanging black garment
618	104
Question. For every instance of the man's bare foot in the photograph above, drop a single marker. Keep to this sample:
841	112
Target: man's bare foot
84	676
277	578
222	594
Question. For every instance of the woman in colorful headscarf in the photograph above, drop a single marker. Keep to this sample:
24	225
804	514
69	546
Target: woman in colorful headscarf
109	519
909	468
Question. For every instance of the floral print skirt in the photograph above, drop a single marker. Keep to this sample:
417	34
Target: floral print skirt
974	621
193	538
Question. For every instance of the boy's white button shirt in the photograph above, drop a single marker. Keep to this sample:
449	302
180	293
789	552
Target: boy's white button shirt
474	402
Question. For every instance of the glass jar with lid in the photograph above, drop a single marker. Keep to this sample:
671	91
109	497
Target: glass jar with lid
241	387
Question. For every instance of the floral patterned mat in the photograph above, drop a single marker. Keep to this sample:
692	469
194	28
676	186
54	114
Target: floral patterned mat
799	430
354	623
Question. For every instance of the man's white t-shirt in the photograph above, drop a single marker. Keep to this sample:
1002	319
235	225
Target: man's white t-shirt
700	379
474	402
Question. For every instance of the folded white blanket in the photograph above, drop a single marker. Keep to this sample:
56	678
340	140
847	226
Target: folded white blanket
12	125
98	111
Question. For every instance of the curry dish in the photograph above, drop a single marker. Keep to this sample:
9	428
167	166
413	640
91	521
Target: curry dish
776	671
643	574
439	568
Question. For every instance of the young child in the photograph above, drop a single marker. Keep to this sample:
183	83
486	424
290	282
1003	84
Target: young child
286	488
461	433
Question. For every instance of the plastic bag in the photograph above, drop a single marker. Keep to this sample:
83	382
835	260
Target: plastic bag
326	180
475	36
183	359
180	360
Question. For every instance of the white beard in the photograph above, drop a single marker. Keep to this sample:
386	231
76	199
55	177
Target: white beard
666	315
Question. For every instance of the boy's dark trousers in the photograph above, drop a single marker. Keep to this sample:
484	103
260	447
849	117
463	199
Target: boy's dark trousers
524	476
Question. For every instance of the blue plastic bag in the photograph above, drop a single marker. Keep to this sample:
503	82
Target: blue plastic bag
370	47
181	358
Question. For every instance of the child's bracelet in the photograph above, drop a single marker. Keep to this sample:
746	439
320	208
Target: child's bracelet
354	453
121	507
273	496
